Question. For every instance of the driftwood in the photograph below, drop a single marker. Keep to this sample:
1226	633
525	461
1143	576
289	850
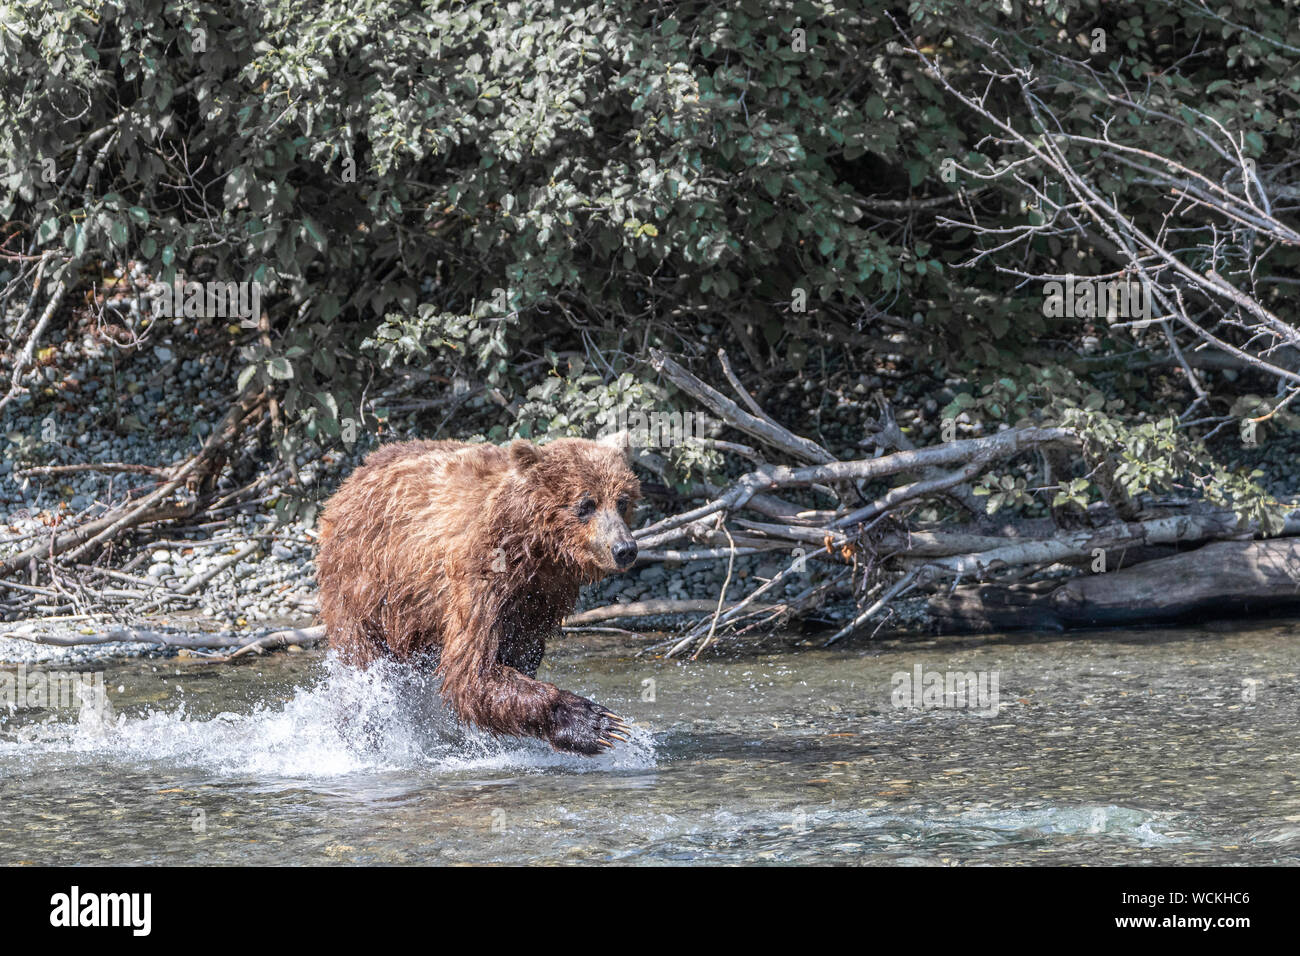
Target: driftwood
294	637
134	635
613	612
880	564
1226	577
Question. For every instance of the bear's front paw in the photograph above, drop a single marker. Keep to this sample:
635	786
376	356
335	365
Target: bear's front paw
581	726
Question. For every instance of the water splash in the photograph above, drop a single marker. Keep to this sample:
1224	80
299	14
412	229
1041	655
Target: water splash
383	719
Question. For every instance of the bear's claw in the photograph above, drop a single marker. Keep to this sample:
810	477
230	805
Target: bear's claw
584	727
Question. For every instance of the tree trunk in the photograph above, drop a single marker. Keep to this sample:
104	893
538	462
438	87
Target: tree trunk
1222	578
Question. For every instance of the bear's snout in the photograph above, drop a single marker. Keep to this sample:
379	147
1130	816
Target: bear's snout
624	553
611	537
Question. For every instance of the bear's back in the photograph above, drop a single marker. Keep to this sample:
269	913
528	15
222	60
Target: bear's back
387	454
432	487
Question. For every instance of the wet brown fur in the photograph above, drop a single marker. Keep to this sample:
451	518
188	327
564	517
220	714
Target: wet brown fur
467	557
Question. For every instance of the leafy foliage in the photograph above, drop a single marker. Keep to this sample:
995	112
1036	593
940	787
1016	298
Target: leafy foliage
530	194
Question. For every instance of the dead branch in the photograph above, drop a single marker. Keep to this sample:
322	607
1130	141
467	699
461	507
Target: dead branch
24	357
611	612
153	507
106	467
165	639
762	428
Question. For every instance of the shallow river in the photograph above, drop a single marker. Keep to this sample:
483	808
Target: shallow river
1118	747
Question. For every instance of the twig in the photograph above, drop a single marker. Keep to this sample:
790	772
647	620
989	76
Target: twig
900	586
286	638
722	596
109	467
612	612
737	387
25	356
131	635
199	580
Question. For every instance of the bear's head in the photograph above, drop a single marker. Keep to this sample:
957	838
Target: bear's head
577	496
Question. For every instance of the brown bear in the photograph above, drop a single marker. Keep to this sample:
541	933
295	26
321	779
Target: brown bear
466	558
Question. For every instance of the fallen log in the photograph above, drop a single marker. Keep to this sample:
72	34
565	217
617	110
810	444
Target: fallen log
1222	578
133	635
293	637
1090	543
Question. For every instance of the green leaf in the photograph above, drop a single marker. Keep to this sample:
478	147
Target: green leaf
312	232
279	368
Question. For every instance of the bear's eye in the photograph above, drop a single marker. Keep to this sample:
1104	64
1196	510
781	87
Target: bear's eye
623	502
586	508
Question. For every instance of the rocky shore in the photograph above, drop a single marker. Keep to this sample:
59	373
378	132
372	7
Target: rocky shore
246	568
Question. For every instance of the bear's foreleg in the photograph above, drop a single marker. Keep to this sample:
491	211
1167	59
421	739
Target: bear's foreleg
496	697
504	701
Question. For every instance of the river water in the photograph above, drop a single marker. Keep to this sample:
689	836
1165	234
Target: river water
1161	746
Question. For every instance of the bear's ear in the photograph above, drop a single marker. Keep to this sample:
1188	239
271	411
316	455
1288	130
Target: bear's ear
524	454
620	441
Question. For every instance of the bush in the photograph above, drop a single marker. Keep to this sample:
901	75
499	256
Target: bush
508	193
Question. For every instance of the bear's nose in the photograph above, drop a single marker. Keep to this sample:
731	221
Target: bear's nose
624	553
